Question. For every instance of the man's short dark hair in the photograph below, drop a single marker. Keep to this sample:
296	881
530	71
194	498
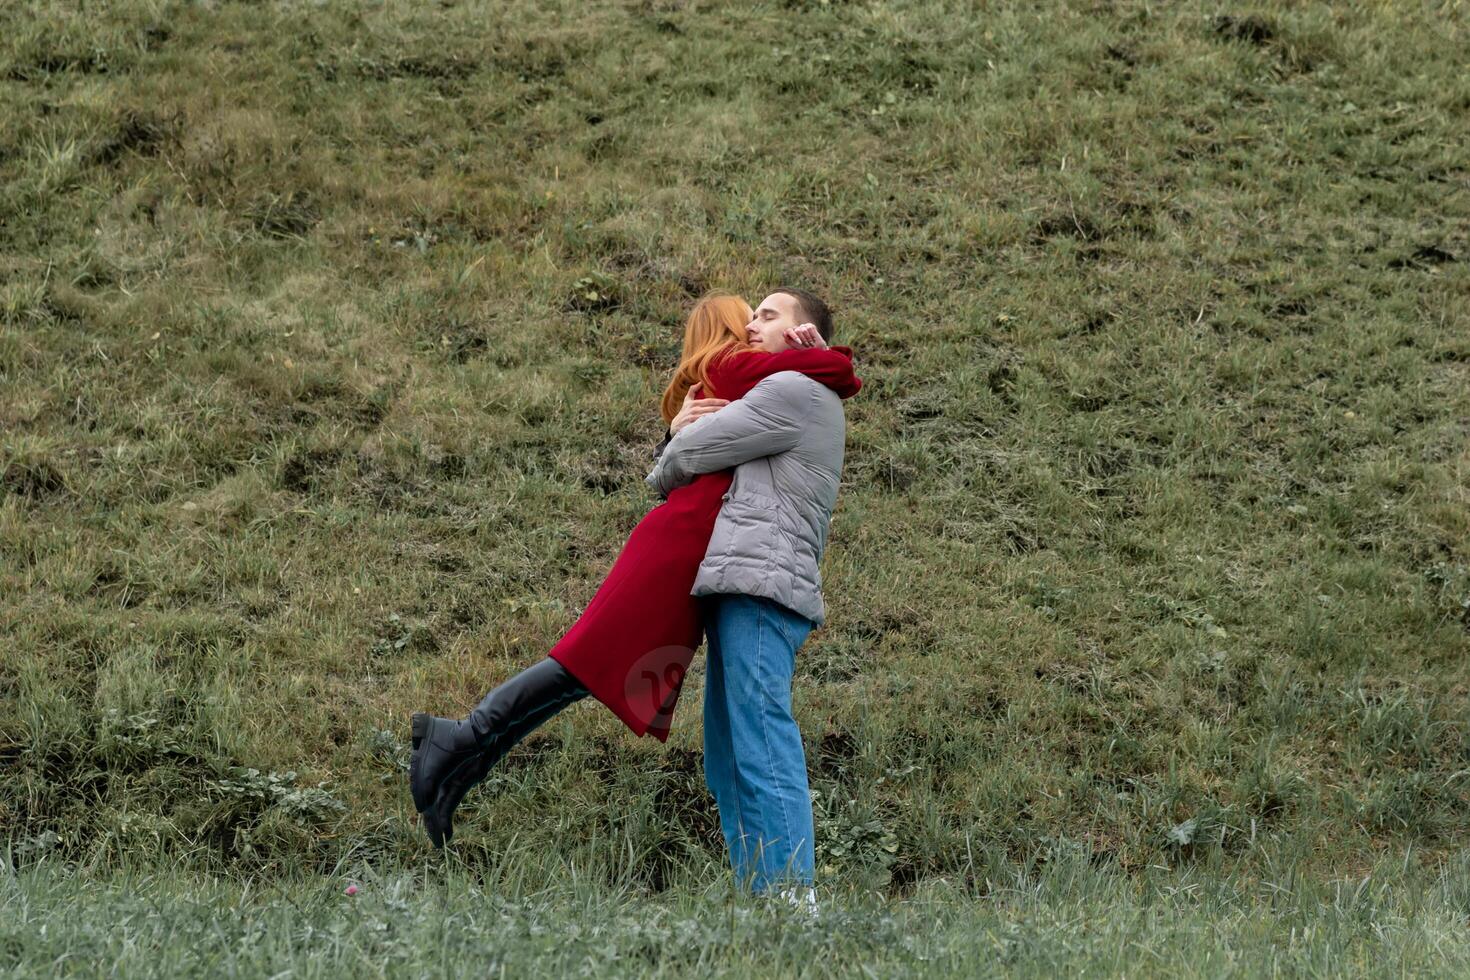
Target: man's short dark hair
813	310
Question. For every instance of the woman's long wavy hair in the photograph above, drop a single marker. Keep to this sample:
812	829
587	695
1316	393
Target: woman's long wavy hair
716	326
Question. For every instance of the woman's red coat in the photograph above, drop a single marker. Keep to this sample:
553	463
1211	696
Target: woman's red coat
633	643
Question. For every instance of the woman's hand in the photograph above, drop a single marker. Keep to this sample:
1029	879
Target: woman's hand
693	408
806	335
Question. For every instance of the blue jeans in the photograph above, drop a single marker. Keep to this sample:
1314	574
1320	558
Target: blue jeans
754	763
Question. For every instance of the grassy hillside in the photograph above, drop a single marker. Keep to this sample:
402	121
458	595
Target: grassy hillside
331	336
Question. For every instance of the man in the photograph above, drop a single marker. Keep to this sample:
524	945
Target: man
761	588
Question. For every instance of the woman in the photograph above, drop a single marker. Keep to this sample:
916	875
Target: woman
633	643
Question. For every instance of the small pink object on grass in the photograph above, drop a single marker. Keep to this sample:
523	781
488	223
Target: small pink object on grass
351	890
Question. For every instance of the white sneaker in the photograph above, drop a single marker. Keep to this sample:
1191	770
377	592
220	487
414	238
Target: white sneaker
802	898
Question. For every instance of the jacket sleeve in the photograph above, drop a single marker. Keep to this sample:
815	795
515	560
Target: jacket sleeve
768	420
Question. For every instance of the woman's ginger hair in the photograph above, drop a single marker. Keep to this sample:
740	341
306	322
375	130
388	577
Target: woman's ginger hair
716	326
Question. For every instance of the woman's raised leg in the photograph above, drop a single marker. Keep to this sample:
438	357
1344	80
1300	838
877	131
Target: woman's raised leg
450	757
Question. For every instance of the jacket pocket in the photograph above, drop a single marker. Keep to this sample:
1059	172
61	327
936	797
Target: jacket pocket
747	532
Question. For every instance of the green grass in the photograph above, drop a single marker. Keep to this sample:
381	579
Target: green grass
529	913
331	337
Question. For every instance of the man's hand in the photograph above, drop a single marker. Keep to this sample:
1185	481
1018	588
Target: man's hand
693	408
770	419
806	335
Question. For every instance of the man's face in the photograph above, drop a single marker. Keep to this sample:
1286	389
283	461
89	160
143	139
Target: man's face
768	324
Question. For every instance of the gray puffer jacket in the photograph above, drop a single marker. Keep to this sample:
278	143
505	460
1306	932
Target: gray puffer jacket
785	439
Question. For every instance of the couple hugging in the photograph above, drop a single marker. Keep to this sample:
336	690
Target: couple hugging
748	473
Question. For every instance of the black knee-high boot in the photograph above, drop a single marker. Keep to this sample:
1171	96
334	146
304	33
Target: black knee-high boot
451	756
